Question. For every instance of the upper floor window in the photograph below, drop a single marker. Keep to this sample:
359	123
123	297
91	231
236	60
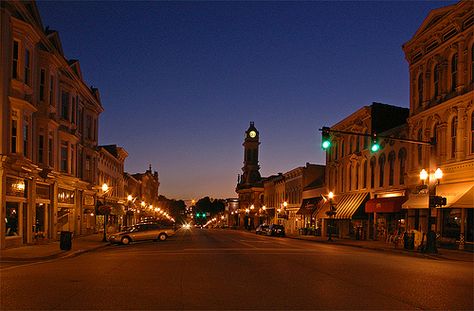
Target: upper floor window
65	106
27	67
64	156
349	177
364	178
454	127
372	172
472	63
402	156
434	138
454	72
26	134
391	168
14	136
420	148
420	89
51	91
40	149
381	169
357	172
15	57
472	131
41	84
357	147
436	80
50	150
342	149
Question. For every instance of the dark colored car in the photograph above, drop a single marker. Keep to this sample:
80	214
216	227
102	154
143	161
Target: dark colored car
262	229
276	230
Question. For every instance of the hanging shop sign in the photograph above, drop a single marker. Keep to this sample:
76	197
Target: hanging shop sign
89	199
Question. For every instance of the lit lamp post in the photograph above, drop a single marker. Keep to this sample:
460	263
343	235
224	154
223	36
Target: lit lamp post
105	189
129	205
433	201
331	213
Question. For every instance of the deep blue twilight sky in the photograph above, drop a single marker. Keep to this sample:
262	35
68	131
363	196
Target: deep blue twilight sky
180	81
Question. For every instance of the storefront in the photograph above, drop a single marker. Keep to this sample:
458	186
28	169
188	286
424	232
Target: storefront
66	210
455	219
43	213
88	214
388	218
16	212
350	218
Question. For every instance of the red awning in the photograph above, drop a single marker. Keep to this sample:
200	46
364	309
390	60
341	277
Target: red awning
385	205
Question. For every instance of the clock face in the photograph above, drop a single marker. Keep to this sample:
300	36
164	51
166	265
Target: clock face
252	134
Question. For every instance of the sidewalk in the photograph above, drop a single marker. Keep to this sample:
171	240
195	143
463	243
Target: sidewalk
446	254
51	250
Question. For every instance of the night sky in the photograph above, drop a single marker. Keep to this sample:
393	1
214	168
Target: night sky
180	81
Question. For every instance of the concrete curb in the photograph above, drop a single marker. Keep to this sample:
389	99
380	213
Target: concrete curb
391	250
57	255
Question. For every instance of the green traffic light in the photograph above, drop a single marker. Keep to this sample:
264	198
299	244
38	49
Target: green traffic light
326	144
375	147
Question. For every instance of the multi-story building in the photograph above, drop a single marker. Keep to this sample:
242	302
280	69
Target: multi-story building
441	63
355	175
149	186
48	129
110	172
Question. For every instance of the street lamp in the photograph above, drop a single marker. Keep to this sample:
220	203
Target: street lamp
105	189
129	205
431	235
331	213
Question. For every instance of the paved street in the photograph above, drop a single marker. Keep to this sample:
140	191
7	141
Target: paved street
223	269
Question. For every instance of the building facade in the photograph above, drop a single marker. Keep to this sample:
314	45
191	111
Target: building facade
441	65
48	167
355	174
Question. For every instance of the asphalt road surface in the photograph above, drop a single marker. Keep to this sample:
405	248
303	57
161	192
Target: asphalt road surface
203	269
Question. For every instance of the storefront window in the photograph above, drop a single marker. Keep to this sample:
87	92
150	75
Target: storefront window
11	219
451	223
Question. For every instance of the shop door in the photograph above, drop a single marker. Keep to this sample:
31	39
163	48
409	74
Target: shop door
40	216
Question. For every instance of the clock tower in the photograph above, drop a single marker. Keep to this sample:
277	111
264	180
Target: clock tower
251	174
250	183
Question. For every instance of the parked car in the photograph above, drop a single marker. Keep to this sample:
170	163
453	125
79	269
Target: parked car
262	229
142	232
276	230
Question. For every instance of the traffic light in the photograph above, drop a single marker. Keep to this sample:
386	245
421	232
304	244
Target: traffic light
374	147
326	139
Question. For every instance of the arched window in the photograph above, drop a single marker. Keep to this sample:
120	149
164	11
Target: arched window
434	137
381	169
349	176
402	155
420	89
420	148
357	144
357	172
436	80
454	72
391	171
342	179
364	179
454	127
472	63
372	172
472	130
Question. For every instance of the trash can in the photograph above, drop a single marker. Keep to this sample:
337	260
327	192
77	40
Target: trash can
65	241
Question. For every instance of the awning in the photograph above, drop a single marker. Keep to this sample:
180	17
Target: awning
349	204
385	205
308	206
321	210
460	195
416	200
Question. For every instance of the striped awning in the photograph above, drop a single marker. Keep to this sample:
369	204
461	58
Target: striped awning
348	204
